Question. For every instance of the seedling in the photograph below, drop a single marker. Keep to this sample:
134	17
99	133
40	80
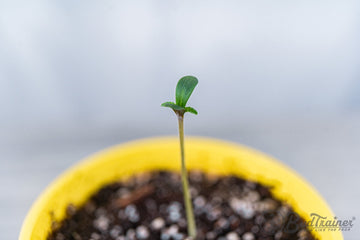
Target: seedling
184	88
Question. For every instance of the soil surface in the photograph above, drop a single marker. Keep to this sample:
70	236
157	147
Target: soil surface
150	206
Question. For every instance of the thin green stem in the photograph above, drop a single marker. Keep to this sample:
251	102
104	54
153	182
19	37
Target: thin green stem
184	179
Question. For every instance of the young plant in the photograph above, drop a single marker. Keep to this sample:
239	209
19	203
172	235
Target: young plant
184	88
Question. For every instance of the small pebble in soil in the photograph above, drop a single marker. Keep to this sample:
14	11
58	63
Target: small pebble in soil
95	236
232	236
222	223
248	236
115	231
132	213
130	234
142	232
157	223
199	202
101	223
243	207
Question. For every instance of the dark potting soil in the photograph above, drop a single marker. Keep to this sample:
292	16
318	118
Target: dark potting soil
150	206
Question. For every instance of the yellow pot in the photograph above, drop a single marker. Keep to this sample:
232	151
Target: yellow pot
209	155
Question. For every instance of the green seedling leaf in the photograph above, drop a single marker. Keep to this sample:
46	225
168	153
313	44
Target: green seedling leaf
191	110
184	88
173	106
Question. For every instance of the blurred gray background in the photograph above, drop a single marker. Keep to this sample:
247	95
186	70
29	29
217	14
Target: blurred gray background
78	76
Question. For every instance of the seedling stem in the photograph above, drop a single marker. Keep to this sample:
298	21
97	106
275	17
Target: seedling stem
184	88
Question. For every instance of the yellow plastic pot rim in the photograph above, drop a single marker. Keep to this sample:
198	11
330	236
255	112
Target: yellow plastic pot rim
210	155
